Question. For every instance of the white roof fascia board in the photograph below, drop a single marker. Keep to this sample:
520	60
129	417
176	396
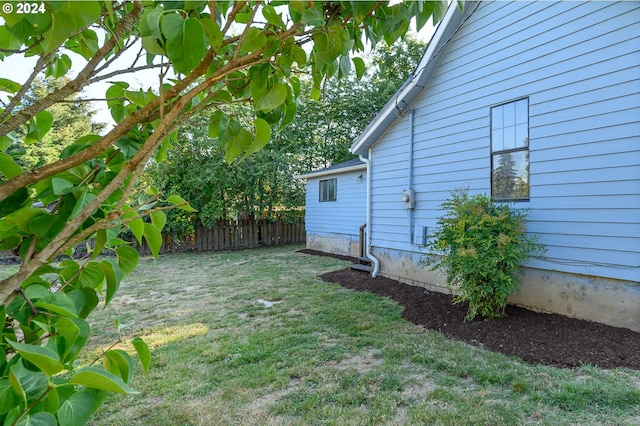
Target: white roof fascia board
416	82
320	173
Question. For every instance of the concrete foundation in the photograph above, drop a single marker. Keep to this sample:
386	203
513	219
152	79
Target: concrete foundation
603	300
343	244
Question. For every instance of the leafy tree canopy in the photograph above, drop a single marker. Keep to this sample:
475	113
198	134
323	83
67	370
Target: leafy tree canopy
319	135
222	53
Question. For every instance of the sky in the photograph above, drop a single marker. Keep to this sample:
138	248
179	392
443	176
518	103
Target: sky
18	69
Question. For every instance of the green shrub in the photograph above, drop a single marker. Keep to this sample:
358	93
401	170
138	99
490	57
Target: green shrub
480	244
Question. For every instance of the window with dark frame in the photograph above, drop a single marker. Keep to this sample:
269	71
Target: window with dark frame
510	151
328	190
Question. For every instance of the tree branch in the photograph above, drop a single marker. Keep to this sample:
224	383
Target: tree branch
138	116
246	31
15	100
231	17
121	72
80	81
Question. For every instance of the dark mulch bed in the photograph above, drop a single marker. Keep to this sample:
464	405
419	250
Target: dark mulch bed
533	336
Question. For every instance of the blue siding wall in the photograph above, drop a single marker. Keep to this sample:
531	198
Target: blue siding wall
343	216
579	65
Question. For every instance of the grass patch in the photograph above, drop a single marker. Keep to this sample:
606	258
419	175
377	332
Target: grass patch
321	355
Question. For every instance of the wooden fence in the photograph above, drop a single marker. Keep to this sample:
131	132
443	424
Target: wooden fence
232	235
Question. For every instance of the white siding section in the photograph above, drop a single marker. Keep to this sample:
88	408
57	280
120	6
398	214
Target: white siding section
343	216
579	65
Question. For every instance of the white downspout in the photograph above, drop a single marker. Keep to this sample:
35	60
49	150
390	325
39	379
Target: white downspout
367	245
410	180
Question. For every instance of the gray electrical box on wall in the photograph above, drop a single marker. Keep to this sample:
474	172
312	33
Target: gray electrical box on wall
409	198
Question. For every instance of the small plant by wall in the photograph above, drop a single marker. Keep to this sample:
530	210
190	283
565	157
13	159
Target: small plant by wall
480	244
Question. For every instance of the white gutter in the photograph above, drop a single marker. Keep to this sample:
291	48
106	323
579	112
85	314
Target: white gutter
331	171
367	245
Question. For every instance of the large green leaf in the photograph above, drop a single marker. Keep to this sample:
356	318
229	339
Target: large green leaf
186	42
360	67
36	291
59	67
76	410
138	97
425	12
254	40
329	45
127	259
273	98
96	378
154	239
8	167
298	55
99	243
272	17
150	21
113	275
259	81
83	199
66	334
46	226
212	30
42	418
118	362
43	358
9	86
67	19
61	186
70	270
91	275
7	140
345	65
144	354
152	45
129	145
38	127
181	202
159	219
8	41
14	201
136	226
292	108
8	396
313	16
85	299
85	44
263	135
237	144
58	303
361	9
71	335
171	25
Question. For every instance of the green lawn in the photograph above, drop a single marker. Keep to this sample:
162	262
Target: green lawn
322	355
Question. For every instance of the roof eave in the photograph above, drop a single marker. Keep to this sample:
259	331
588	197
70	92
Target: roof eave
414	84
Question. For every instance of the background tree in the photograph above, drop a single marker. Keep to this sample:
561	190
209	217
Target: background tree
319	135
222	53
70	121
325	130
504	177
